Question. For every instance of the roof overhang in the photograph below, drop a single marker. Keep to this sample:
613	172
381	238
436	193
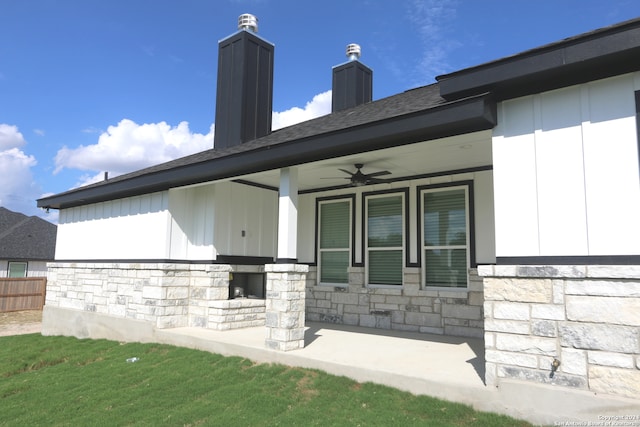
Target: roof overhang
455	118
599	54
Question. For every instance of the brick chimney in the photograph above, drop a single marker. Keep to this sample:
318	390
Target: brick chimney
244	96
352	82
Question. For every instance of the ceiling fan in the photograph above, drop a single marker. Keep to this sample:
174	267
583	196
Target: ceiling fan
359	179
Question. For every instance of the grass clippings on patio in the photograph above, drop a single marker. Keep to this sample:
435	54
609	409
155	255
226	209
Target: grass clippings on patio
62	381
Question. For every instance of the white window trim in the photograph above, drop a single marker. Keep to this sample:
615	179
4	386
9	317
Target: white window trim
402	194
320	250
423	247
26	268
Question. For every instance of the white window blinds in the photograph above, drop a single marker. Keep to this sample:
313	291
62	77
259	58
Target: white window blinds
385	240
335	236
446	237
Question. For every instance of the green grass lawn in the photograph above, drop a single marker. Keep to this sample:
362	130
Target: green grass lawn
62	381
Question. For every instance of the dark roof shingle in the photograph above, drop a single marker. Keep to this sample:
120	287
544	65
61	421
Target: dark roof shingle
26	237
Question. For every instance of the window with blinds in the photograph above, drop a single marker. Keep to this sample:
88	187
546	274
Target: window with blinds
335	242
385	239
445	236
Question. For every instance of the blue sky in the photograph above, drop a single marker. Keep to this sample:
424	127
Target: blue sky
88	86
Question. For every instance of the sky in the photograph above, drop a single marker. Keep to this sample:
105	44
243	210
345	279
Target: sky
88	86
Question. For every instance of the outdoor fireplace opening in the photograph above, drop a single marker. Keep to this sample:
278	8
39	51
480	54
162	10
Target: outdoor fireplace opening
246	285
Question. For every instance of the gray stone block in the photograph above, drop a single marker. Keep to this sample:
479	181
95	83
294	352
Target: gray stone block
518	290
605	288
526	344
463	331
527	374
588	336
612	310
573	361
615	360
568	271
544	328
510	358
548	311
368	321
423	319
625	382
508	326
461	312
511	311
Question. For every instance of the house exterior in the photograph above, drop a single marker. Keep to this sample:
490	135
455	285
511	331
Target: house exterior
27	244
501	202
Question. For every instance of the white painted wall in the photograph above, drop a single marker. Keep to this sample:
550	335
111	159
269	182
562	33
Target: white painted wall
190	223
130	228
566	174
242	208
192	219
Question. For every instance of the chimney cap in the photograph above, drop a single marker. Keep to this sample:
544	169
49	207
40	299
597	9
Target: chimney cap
353	51
247	21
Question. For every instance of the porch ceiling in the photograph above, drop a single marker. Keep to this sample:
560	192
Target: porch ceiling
446	154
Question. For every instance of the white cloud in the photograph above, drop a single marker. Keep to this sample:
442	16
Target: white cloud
10	137
129	146
38	132
320	105
19	191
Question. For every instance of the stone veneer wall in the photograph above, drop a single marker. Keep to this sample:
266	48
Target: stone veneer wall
409	308
165	295
587	317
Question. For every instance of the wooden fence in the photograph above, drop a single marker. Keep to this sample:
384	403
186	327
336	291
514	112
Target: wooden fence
22	294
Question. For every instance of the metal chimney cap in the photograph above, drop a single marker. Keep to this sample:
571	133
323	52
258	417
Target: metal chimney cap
353	51
247	21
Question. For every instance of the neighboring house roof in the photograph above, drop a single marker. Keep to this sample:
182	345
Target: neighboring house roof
461	102
26	237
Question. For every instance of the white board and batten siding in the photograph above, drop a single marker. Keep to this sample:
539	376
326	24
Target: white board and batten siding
566	173
224	218
190	223
129	228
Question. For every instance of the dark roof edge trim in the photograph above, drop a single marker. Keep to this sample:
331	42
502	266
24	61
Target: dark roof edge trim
464	116
599	54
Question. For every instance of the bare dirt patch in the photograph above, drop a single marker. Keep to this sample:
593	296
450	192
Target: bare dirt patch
20	322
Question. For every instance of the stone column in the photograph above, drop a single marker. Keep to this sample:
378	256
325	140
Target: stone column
285	312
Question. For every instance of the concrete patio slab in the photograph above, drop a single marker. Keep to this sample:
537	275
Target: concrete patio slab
450	368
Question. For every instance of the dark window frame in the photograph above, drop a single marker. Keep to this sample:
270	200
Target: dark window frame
472	219
406	244
352	198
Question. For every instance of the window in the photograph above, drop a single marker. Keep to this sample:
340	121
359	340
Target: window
446	236
334	241
385	239
17	269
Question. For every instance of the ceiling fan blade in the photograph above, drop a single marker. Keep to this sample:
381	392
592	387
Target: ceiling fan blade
346	171
379	180
374	174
